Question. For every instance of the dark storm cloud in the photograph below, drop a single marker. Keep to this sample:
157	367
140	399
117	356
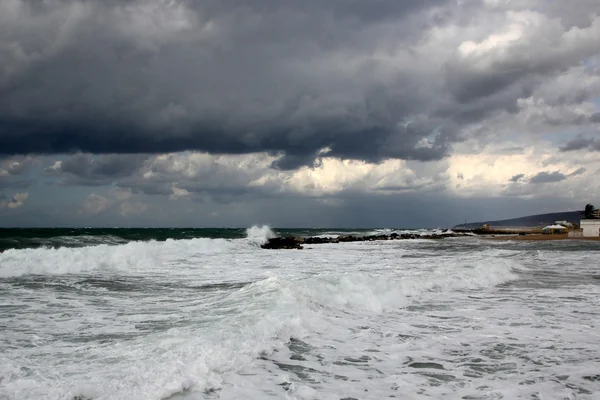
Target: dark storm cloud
517	178
224	77
548	177
242	76
89	170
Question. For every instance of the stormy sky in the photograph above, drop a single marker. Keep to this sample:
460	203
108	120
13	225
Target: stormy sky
345	113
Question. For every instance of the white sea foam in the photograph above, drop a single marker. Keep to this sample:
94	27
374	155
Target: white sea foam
223	319
259	234
379	293
128	257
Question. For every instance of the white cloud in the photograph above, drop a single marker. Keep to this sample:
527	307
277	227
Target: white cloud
18	200
178	193
486	172
489	173
186	173
530	39
56	167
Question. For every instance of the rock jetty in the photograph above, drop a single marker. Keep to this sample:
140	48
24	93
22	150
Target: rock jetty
298	242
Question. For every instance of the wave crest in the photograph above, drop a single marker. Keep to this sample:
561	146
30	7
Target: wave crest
132	257
259	234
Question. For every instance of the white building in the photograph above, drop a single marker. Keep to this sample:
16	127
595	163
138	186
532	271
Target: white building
590	227
566	224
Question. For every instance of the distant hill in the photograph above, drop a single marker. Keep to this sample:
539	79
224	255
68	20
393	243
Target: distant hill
531	221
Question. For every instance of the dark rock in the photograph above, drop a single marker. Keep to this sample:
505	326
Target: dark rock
592	378
289	242
293	242
430	365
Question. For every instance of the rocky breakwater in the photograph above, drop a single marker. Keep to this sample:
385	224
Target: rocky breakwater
298	242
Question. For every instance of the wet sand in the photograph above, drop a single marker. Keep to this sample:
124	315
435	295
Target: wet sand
561	236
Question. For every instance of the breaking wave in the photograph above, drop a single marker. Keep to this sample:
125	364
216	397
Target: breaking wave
127	258
134	256
213	339
259	234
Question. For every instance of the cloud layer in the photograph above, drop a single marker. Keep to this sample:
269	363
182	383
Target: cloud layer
121	103
366	81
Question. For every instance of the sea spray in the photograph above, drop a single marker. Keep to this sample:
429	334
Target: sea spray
259	234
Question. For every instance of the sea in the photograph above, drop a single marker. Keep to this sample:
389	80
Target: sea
187	314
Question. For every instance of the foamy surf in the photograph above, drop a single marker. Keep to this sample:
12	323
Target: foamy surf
220	318
131	257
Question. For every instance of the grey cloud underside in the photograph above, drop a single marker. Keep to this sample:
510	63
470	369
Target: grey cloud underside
548	177
235	77
581	143
595	117
551	177
252	86
517	178
579	171
87	170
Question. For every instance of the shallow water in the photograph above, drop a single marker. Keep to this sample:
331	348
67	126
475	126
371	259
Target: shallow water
222	319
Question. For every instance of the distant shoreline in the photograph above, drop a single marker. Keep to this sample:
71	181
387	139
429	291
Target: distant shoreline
562	236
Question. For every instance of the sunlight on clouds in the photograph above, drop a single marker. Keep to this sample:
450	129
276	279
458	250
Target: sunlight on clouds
178	193
493	42
17	201
485	173
332	175
329	175
495	173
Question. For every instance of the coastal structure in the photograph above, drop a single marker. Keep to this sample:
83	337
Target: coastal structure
566	224
590	227
552	229
590	222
